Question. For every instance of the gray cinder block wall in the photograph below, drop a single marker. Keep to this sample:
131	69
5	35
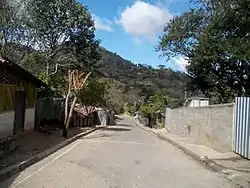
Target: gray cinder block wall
210	126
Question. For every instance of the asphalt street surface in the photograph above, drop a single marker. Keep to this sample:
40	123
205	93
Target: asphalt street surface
122	156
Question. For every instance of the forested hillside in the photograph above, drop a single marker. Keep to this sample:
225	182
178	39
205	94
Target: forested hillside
142	79
127	82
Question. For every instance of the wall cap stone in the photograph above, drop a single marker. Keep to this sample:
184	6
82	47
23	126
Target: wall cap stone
210	106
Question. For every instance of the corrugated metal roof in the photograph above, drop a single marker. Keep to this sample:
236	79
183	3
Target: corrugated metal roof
15	69
85	111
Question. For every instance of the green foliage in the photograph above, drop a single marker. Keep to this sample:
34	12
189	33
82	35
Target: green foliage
33	61
49	34
156	103
173	102
61	32
162	125
11	25
43	34
131	108
139	80
215	38
115	99
58	84
64	29
44	77
94	94
181	34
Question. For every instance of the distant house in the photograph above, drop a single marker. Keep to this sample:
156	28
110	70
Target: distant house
196	102
18	94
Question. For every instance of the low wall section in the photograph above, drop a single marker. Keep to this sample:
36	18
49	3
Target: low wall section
210	126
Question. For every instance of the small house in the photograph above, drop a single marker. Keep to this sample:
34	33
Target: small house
18	94
197	102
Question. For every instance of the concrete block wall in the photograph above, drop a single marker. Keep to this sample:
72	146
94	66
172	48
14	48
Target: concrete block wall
210	126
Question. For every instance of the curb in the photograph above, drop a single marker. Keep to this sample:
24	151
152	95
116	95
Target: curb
15	168
203	160
208	163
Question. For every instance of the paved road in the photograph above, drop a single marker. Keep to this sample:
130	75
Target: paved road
124	156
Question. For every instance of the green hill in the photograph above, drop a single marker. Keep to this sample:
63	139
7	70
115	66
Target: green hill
142	79
128	82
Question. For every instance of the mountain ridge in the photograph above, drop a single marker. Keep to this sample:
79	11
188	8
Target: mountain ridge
141	76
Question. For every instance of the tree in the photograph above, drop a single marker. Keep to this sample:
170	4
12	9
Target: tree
76	83
115	98
215	39
12	26
181	34
94	94
155	103
131	107
63	31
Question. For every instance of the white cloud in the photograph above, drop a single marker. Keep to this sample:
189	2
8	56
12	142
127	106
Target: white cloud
102	24
181	62
144	19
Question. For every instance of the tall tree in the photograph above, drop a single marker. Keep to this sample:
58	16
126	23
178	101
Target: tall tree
215	38
12	26
63	31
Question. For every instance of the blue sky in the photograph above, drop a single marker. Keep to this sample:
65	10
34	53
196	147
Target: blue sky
131	27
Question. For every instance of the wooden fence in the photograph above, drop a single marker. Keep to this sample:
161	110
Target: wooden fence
49	109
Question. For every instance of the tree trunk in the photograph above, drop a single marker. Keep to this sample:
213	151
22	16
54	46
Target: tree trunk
66	126
66	107
67	97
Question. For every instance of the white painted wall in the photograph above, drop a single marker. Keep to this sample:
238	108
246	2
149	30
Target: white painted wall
29	118
6	124
197	103
204	103
7	121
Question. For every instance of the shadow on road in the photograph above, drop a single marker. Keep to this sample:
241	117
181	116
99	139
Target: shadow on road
9	182
117	118
117	129
125	125
102	135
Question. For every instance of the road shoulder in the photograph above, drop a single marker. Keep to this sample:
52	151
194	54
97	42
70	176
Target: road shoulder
238	178
18	167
